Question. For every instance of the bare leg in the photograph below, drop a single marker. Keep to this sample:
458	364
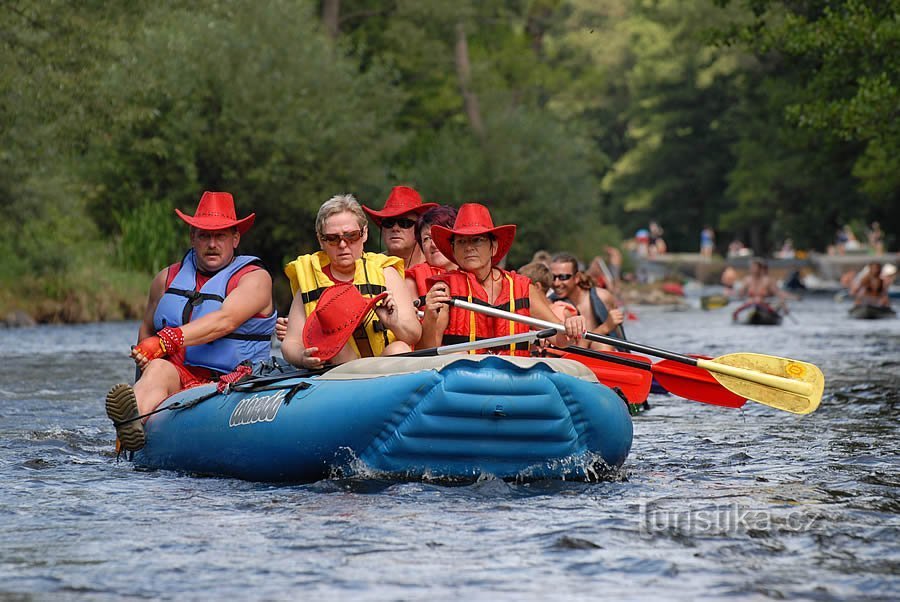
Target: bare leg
158	381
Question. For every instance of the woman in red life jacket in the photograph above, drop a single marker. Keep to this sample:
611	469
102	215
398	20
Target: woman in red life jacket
477	246
435	262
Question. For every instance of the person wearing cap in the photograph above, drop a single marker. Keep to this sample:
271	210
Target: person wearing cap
435	262
600	309
342	230
205	315
397	222
477	246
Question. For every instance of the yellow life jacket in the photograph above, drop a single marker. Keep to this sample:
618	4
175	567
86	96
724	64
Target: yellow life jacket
306	275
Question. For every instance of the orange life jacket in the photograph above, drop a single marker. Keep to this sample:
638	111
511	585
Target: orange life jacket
420	273
466	326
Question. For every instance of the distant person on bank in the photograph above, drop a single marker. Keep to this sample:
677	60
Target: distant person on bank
389	328
205	315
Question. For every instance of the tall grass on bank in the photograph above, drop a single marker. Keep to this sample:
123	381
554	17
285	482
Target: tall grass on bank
151	238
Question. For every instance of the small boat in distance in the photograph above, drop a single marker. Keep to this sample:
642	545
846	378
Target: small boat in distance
864	311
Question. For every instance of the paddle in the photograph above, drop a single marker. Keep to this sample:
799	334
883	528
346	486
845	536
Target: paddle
506	341
684	381
631	376
781	383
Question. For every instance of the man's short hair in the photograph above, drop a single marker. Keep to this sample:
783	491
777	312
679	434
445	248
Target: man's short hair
340	203
539	273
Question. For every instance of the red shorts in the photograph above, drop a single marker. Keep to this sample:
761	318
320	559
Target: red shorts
192	376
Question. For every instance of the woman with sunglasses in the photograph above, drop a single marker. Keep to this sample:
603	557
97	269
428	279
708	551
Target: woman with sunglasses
435	262
477	247
397	222
341	228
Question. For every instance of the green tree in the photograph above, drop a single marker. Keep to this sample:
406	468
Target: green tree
245	98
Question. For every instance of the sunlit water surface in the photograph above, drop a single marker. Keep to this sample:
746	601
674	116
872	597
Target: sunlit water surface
712	503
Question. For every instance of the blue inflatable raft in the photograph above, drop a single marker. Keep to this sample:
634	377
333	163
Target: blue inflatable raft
449	417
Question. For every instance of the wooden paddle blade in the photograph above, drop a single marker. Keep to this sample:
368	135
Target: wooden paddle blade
778	382
694	383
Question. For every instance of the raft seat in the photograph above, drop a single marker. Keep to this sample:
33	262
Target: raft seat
374	367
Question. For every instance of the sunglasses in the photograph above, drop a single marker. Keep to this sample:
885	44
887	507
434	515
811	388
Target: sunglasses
563	277
475	241
347	237
404	222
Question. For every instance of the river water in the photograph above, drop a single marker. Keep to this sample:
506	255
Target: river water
713	503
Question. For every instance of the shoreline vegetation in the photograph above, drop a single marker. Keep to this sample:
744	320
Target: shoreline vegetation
92	292
581	122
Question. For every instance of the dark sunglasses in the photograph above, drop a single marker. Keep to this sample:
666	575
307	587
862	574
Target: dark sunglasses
404	222
562	277
347	237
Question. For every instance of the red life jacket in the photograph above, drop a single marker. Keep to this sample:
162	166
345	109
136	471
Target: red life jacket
420	273
466	326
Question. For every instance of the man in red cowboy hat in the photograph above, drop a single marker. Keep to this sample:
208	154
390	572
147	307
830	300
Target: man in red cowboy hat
477	246
397	222
205	315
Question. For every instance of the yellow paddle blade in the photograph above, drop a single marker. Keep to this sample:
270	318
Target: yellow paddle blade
778	382
714	301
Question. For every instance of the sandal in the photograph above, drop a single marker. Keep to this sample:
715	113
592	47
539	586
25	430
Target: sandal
121	407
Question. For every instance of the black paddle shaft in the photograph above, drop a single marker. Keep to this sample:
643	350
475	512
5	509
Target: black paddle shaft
606	357
599	338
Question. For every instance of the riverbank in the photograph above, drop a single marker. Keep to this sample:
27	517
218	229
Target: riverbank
91	293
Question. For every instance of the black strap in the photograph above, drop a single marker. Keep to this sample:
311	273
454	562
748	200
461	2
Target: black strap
248	337
364	289
455	339
194	298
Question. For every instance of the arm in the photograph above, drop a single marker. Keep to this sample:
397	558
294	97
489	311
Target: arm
437	315
615	315
253	295
411	288
541	309
292	348
399	313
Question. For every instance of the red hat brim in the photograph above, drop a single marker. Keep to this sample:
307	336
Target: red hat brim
207	222
505	235
377	216
330	343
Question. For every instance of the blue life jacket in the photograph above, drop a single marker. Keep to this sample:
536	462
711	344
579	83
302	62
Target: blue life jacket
182	303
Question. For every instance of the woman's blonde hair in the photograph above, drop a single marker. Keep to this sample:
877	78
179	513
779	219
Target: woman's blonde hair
340	203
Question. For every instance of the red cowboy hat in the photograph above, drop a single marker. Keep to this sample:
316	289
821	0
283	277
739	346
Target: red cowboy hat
472	219
340	310
401	201
216	212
